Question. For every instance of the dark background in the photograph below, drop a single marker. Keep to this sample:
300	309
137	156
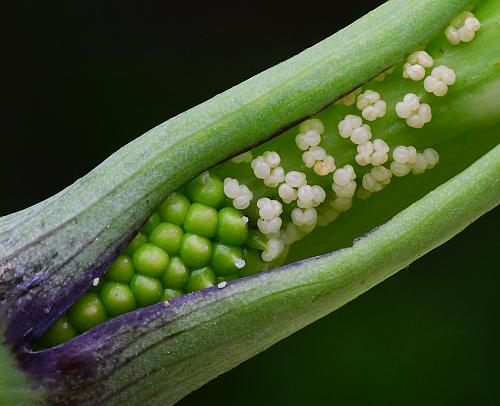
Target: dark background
81	79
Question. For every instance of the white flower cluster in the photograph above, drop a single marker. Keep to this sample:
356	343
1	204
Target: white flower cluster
310	196
350	98
317	158
439	80
344	184
374	153
371	106
414	69
407	159
304	217
241	194
352	127
288	190
462	28
416	114
245	157
314	156
266	167
269	211
376	179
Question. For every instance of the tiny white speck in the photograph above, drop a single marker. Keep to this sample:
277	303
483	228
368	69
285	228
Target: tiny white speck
166	303
239	263
222	285
244	219
95	282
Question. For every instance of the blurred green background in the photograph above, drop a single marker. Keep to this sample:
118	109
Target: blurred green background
84	78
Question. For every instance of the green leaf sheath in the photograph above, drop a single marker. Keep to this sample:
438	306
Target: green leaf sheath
50	253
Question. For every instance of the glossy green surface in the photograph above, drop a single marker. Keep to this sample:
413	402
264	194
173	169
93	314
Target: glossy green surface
195	251
87	312
122	269
201	220
117	298
174	208
232	229
168	237
150	260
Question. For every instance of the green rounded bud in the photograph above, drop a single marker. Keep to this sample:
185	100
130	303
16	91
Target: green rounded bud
195	251
232	227
121	270
147	290
171	293
176	274
87	312
151	223
226	259
201	279
139	240
168	237
207	189
150	260
174	208
60	332
201	220
118	298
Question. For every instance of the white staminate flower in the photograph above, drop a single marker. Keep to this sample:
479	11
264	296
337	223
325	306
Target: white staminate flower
319	195
305	196
361	134
350	98
312	155
261	168
295	178
245	157
404	155
269	226
432	157
325	166
439	80
268	209
420	164
313	124
376	179
416	114
272	158
244	199
363	157
462	28
370	105
287	193
304	217
416	64
241	194
348	124
381	174
231	188
274	248
399	169
379	156
343	176
307	140
276	176
345	191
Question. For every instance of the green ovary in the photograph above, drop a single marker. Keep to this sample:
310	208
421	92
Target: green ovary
316	187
